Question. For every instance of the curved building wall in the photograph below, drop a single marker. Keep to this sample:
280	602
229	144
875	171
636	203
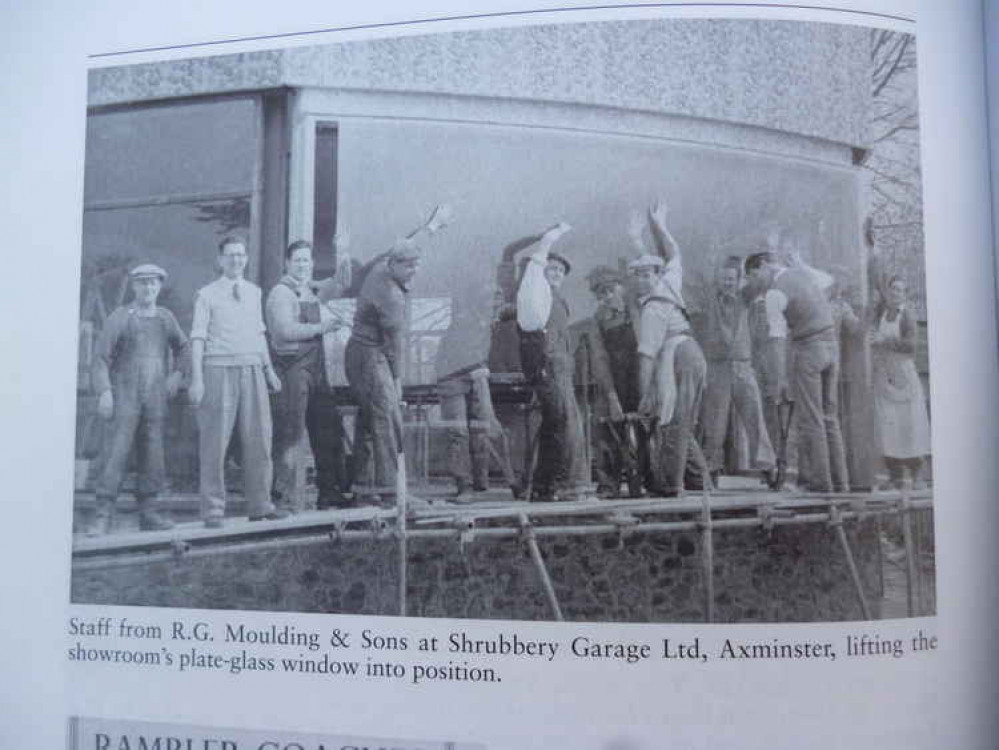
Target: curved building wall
805	78
744	127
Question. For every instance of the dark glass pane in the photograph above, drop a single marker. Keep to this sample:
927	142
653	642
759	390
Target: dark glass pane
181	238
324	222
193	148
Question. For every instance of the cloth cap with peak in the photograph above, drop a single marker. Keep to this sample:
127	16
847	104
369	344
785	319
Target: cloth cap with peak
148	271
602	276
404	250
646	261
561	259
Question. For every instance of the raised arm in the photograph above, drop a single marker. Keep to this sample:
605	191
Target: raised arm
441	216
636	225
534	297
666	246
343	276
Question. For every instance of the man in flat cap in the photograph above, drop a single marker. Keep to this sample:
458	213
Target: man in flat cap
231	374
374	360
543	320
672	369
137	368
609	353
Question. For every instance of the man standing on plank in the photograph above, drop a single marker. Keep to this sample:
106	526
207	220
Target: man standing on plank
731	381
374	360
798	309
610	347
543	321
296	328
672	369
230	375
133	377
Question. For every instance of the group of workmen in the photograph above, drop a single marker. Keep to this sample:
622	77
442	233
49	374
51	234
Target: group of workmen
657	400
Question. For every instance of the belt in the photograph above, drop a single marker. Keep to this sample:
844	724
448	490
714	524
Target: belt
808	335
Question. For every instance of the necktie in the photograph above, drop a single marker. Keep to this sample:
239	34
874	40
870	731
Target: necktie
235	291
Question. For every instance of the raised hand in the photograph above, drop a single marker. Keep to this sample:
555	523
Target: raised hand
441	217
344	272
636	225
341	240
557	231
657	212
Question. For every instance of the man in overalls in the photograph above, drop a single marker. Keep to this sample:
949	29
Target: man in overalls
134	376
609	349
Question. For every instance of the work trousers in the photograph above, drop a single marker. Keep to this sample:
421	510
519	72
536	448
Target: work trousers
473	431
378	428
138	421
815	385
732	384
673	464
235	397
304	406
768	386
618	457
561	459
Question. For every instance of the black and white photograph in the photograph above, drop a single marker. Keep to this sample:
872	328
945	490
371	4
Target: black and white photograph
602	321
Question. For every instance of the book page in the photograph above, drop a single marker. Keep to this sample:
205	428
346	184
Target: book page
737	492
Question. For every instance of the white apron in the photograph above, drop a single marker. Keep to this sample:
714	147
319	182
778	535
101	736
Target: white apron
903	424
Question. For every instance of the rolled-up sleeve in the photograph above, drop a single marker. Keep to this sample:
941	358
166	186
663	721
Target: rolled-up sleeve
534	298
202	314
776	304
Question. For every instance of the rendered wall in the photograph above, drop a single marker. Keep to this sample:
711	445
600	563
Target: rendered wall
804	78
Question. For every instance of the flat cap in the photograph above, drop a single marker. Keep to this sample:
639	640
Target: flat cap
646	261
148	270
405	249
603	275
561	259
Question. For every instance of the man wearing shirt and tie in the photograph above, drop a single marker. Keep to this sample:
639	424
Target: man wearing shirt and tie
230	376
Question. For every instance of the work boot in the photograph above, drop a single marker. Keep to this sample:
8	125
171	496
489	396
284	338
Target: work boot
149	518
102	519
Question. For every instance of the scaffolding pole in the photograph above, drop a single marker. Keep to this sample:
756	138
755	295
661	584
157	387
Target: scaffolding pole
539	564
703	515
836	521
911	571
401	499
